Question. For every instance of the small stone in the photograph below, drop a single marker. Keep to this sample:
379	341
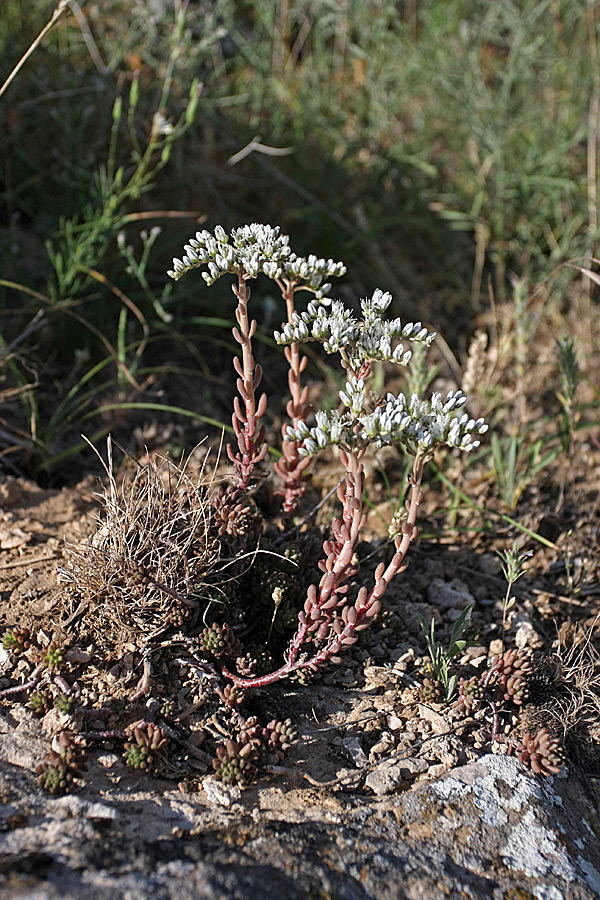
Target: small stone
346	677
451	615
197	737
354	751
394	723
414	766
349	778
100	812
526	636
14	537
441	750
384	779
446	595
384	745
219	794
376	676
438	722
75	807
113	674
108	760
402	656
10	494
495	647
490	564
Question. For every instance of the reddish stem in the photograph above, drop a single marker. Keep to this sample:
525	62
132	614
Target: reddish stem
34	680
250	437
338	567
292	467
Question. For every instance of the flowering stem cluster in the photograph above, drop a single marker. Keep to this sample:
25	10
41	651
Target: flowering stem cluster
246	253
329	622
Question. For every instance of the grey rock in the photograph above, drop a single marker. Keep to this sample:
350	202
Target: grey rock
219	794
449	594
384	779
479	831
354	751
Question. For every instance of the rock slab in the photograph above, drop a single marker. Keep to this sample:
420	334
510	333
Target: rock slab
486	830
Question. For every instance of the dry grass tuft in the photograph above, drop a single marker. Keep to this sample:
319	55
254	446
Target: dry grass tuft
148	566
578	661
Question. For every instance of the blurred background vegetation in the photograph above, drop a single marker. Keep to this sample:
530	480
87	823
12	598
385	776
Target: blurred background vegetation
445	151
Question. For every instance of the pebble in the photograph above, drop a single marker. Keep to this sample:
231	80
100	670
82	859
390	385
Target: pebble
384	745
384	779
526	636
108	760
219	794
490	564
404	658
449	595
414	766
438	722
472	653
453	614
113	674
395	723
354	751
77	808
441	750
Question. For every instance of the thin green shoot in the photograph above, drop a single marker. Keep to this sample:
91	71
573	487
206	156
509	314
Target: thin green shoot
512	567
441	658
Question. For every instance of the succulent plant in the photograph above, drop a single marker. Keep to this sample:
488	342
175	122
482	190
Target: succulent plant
167	709
219	641
66	703
17	640
469	695
53	776
541	752
256	662
280	736
62	766
232	695
178	615
233	763
235	515
508	675
251	732
40	702
432	691
52	656
149	749
511	662
516	689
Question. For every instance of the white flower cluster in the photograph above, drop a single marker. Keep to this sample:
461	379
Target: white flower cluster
361	340
253	249
419	425
422	424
